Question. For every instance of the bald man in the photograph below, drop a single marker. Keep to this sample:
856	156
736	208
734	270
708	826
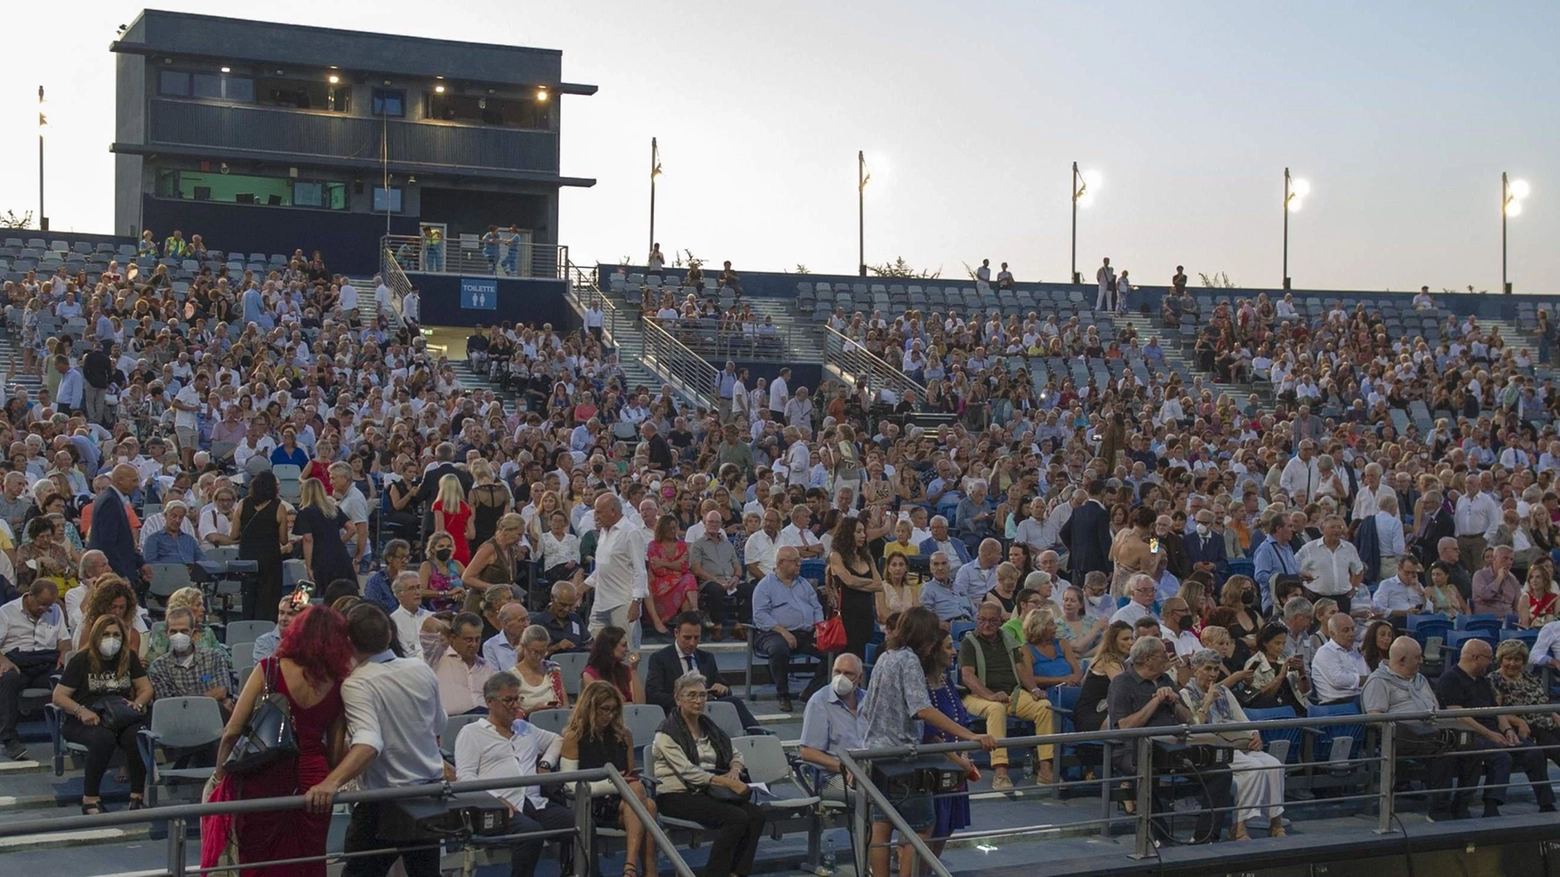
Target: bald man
1397	686
1498	745
111	532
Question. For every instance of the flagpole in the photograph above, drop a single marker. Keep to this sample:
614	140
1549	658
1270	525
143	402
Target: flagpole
43	219
861	212
655	166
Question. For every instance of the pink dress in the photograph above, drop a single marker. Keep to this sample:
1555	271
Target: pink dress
667	587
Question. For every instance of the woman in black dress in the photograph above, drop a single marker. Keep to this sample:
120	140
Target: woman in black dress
852	571
320	522
261	530
595	737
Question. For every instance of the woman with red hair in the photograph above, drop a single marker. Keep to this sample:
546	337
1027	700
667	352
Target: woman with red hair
308	667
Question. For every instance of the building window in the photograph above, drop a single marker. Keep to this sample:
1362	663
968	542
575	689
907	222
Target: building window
394	201
173	83
304	95
326	196
250	189
475	109
389	102
220	86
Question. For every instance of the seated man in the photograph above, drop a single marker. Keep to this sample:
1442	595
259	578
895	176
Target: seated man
267	643
1396	686
1497	745
1337	670
832	722
461	669
505	745
186	670
173	543
986	668
957	553
564	625
501	650
785	608
666	666
938	594
33	641
718	570
1143	696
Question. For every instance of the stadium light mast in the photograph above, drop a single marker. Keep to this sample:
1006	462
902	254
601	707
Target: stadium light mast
1294	194
655	171
1082	196
1512	194
43	218
862	176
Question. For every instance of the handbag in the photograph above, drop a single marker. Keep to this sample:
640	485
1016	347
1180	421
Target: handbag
269	735
116	713
829	636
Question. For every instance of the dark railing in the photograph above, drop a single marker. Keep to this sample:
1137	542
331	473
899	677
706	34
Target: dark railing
297	132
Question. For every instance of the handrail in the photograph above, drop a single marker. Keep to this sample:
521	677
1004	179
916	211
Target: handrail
860	366
684	369
582	287
528	258
395	279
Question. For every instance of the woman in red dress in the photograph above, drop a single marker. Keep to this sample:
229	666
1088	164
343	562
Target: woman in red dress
673	588
452	515
315	655
1540	603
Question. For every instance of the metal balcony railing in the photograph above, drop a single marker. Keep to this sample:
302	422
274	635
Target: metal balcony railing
467	255
706	337
684	369
859	366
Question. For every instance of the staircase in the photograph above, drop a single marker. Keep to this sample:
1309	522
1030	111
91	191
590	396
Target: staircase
806	339
1178	358
625	333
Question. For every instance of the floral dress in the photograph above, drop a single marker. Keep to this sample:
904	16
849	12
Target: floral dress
446	579
668	586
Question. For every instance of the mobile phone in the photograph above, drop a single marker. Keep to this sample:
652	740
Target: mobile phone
1153	546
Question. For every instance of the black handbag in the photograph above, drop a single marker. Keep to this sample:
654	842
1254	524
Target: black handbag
269	735
115	713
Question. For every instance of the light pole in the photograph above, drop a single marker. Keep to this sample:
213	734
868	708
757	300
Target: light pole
862	176
1294	193
655	171
43	219
1512	193
1082	196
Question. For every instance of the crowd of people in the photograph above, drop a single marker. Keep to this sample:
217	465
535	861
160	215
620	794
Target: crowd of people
1205	561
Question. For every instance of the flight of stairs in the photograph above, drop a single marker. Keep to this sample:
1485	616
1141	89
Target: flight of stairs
1175	355
630	342
806	337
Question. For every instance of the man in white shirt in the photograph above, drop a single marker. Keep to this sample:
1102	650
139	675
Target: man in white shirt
1140	593
33	641
1337	670
186	418
759	552
93	564
355	506
798	459
408	616
799	535
619	579
1477	517
1330	566
1301	477
349	301
382	298
1372	491
505	745
780	390
411	307
394	719
1403	594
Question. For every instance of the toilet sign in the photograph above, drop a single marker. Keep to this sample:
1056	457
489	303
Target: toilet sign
478	293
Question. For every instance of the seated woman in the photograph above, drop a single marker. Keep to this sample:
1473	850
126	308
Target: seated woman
1259	777
1044	661
595	737
541	681
104	693
693	758
1516	685
611	662
1272	684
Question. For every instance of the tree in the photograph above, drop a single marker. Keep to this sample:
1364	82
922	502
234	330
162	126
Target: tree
11	220
801	269
687	260
900	268
1217	281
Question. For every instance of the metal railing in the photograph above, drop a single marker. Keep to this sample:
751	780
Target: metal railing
396	280
685	370
1375	775
467	255
177	817
862	368
706	337
583	290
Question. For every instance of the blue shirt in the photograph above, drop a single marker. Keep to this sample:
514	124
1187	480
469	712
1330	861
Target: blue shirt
499	654
1270	558
973	583
944	603
1167	586
254	305
794	606
265	646
378	591
298	457
161	547
828	725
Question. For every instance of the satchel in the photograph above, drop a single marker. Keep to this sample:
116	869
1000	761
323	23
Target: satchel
116	713
829	636
269	735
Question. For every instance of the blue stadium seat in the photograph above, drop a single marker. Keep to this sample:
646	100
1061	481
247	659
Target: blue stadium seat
1291	736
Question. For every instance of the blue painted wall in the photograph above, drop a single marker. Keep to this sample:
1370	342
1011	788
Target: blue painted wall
349	242
514	299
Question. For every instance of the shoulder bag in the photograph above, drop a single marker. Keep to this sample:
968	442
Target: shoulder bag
269	735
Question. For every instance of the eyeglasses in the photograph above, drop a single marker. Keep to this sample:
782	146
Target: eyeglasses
696	696
512	700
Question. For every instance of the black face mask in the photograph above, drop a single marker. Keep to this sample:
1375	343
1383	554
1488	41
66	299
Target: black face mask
1184	622
444	553
1248	598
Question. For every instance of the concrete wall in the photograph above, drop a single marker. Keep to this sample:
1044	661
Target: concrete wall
349	241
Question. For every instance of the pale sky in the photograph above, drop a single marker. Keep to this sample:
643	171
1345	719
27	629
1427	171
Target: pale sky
1401	115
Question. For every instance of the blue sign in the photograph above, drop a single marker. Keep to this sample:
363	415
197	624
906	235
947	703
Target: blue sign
478	294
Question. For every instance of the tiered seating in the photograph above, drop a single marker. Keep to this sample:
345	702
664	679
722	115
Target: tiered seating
819	299
19	255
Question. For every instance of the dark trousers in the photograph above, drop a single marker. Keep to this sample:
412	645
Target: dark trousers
1497	763
101	743
712	602
1550	740
1216	787
363	834
738	828
780	659
12	685
523	854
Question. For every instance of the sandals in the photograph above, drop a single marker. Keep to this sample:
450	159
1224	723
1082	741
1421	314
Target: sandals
631	869
136	803
93	809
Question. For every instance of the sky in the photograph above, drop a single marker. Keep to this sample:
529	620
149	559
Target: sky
1400	115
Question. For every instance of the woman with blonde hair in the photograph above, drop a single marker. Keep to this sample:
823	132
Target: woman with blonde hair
184	598
320	522
452	515
489	499
1540	601
1043	661
442	574
596	737
497	561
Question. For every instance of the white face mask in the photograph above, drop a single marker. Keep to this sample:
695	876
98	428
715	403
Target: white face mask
180	642
1202	529
842	685
110	645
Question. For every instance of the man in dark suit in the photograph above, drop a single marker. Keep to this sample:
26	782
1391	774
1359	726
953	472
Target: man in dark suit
428	491
1087	535
682	657
1438	525
111	533
1205	549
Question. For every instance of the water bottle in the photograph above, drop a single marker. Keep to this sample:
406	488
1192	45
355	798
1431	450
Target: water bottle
829	857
